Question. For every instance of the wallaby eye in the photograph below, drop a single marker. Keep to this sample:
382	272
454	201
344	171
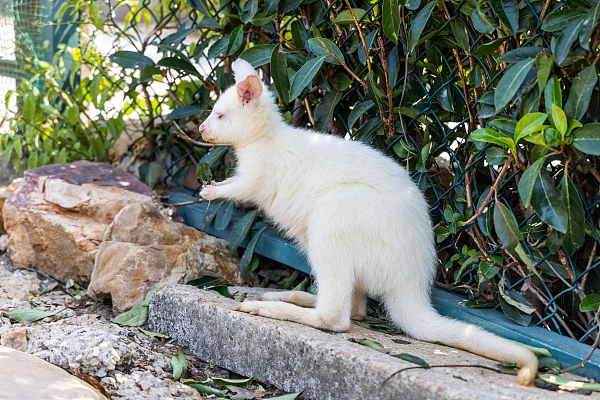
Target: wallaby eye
220	116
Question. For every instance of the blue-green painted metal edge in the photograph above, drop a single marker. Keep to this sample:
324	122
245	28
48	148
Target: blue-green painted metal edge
566	350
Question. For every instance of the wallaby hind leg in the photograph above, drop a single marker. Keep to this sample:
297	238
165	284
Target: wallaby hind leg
359	305
299	298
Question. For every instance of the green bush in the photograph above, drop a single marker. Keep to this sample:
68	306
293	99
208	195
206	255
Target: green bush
492	106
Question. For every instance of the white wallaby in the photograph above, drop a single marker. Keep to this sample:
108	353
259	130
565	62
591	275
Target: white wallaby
362	222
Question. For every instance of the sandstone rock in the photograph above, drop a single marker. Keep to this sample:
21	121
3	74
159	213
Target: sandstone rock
57	218
25	377
5	192
143	250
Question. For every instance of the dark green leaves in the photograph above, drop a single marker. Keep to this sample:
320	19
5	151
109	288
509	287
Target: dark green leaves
391	19
412	359
131	59
138	314
247	257
258	55
345	17
235	39
279	73
574	237
250	9
204	389
511	82
536	188
587	139
558	20
458	30
224	216
591	302
417	26
240	230
581	92
324	111
506	227
179	65
373	345
357	111
508	12
204	282
566	38
304	76
150	172
317	46
29	315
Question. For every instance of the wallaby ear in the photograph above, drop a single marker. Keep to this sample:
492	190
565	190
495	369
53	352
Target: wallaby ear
249	89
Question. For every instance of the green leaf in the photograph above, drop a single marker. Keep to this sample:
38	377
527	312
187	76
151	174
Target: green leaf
581	93
587	139
218	47
574	237
134	317
591	302
496	156
204	282
211	212
150	172
558	20
590	21
482	23
223	290
73	114
153	334
279	73
552	95
537	351
249	10
324	111
204	390
418	24
528	179
204	173
258	55
340	81
131	59
564	381
224	216
488	48
514	313
545	66
235	39
290	5
359	110
510	298
345	17
261	19
317	46
184	112
373	345
179	65
71	288
214	156
510	82
247	257
240	230
412	359
560	120
520	54
179	365
95	16
391	19
566	38
29	315
506	227
304	76
508	12
232	382
458	30
529	124
491	136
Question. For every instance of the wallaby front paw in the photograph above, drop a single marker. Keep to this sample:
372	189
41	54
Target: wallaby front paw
209	192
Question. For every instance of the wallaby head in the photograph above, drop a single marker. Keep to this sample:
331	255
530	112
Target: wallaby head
244	112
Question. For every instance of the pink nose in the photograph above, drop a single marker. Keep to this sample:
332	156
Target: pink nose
202	130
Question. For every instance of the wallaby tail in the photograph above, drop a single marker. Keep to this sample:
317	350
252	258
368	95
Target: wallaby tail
422	322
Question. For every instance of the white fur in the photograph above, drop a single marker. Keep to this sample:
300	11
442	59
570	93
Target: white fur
358	216
241	70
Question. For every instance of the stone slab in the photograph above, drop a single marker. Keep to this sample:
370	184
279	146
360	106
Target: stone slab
327	366
26	377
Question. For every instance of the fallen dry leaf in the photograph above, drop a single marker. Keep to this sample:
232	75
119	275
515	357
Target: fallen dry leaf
15	340
257	394
94	383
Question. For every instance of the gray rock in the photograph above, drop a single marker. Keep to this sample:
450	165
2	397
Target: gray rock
325	365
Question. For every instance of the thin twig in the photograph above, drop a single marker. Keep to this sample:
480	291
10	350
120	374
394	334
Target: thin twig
186	203
491	192
390	119
185	137
360	33
310	116
346	67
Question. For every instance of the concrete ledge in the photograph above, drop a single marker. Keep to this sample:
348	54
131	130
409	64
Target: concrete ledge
295	357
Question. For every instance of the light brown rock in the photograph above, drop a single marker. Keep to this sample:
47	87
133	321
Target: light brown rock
5	192
58	216
26	377
143	250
